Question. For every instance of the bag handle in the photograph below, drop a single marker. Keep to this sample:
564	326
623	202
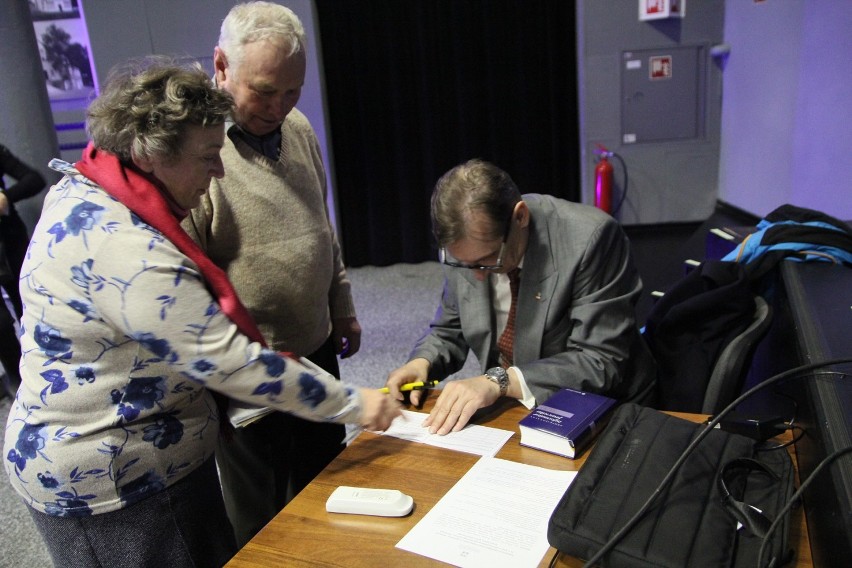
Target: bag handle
750	516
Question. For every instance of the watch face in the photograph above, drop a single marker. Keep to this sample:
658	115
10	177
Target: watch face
499	376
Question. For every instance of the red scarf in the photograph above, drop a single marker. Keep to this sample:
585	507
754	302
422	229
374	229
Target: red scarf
144	196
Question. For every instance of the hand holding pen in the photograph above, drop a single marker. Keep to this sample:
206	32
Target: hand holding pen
414	372
417	385
368	398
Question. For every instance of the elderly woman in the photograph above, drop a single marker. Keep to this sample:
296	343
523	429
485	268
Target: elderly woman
127	330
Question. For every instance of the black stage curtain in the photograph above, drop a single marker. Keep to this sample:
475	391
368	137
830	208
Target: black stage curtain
417	86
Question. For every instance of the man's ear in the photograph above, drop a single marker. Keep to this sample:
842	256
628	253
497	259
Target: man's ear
220	65
521	214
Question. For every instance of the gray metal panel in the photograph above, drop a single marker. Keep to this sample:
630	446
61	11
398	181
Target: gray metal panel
672	179
662	94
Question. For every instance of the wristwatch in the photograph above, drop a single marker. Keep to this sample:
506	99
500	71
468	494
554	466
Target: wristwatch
500	377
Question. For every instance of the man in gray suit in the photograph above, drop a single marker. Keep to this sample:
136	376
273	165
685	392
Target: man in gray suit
573	316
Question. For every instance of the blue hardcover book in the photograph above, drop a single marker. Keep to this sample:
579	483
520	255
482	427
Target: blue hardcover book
566	423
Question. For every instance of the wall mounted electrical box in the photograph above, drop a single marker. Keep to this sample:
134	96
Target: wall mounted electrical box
663	94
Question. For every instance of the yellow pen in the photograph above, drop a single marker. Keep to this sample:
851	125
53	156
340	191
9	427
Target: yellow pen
419	385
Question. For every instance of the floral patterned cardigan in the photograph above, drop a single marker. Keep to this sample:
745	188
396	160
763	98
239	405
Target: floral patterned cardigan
122	343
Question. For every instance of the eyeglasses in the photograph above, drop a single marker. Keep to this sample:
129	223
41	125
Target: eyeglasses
445	258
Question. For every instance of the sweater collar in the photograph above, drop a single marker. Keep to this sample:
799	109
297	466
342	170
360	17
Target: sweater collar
269	144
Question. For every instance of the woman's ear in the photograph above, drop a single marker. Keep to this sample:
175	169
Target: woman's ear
141	162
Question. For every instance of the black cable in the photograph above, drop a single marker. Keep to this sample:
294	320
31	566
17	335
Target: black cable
791	425
624	190
796	496
792	428
616	538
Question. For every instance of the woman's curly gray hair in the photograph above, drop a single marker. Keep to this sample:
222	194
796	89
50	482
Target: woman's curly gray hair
147	104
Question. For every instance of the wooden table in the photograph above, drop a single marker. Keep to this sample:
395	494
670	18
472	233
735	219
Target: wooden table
304	534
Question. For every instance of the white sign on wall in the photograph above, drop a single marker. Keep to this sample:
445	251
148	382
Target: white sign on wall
660	9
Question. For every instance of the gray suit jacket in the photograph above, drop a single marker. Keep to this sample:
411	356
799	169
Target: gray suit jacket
575	324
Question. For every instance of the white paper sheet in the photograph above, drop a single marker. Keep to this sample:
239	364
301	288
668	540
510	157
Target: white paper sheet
495	516
472	439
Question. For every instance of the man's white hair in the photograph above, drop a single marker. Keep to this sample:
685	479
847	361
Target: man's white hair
257	21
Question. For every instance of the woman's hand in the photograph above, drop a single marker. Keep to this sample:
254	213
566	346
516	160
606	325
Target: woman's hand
378	409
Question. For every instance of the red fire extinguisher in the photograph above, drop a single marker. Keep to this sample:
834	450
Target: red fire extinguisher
603	180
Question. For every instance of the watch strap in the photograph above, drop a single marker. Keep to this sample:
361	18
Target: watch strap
500	377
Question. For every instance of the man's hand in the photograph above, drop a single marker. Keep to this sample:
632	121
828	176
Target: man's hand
346	333
413	371
378	409
458	401
4	204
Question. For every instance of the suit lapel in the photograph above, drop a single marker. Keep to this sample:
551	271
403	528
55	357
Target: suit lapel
538	281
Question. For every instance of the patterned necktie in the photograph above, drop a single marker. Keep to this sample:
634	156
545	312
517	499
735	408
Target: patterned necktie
506	343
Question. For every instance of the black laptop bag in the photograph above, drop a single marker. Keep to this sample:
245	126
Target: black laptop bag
692	521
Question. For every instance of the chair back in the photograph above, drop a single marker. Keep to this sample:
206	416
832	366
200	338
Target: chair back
729	373
705	318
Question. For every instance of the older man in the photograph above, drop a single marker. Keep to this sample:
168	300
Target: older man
266	223
541	290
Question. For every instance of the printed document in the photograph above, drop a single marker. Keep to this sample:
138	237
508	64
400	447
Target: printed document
495	516
472	439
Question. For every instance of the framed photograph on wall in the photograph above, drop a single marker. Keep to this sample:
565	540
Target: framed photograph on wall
63	43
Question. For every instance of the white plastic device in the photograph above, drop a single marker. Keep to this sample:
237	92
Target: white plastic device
366	501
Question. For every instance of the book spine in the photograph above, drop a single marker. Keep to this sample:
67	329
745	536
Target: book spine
589	431
581	428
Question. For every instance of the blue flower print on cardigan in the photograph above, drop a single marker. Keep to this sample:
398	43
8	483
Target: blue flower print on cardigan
199	370
30	442
69	504
140	393
159	347
50	341
275	367
84	374
165	431
84	308
83	217
143	486
311	391
56	386
47	481
271	388
81	274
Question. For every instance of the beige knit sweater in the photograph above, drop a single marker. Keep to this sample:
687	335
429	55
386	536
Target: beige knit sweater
266	224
